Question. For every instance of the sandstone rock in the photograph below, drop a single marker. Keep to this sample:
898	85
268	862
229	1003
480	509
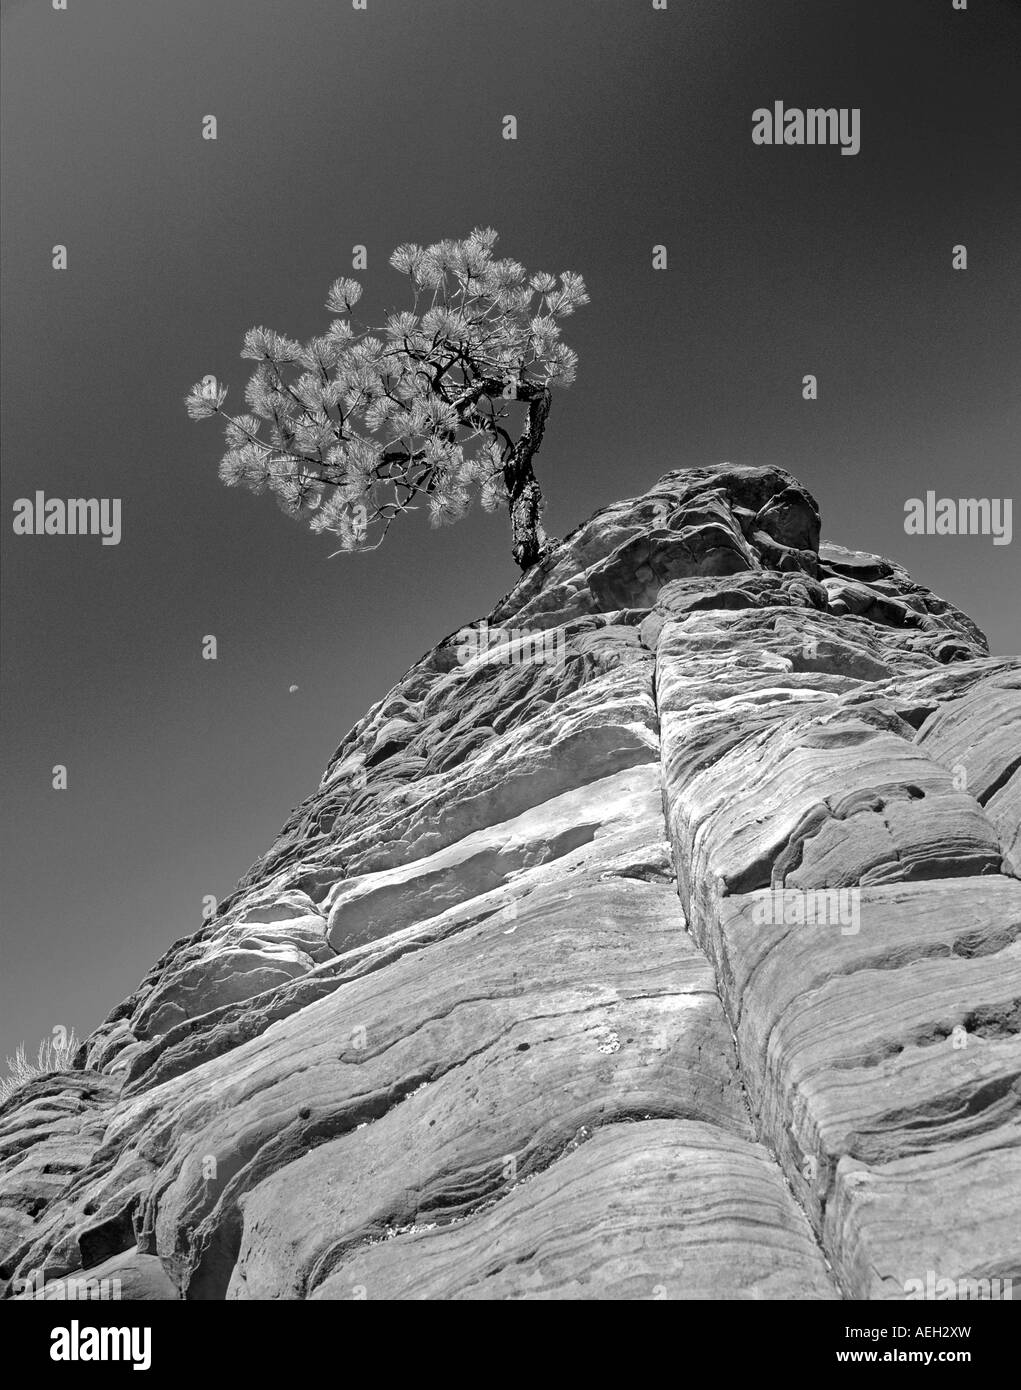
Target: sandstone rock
667	948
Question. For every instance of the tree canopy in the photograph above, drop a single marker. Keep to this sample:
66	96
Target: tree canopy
448	399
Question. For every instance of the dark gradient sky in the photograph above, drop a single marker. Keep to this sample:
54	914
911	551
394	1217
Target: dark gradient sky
339	127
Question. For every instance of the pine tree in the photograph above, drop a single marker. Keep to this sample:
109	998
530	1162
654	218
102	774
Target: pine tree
361	424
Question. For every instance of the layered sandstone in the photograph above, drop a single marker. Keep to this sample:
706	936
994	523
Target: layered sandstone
501	1014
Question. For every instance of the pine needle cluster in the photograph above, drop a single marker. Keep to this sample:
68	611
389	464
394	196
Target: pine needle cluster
363	423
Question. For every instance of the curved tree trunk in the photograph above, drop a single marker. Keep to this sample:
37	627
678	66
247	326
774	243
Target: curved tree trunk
524	495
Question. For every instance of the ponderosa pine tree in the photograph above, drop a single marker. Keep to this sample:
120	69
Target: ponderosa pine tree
448	398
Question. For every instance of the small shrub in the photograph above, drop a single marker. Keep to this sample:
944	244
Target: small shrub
54	1054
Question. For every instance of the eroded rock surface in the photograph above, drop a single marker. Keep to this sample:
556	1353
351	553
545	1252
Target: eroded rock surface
668	949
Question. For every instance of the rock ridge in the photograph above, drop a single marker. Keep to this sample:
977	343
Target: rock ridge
656	935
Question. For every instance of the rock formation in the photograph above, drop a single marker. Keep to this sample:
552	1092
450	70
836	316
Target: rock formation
669	950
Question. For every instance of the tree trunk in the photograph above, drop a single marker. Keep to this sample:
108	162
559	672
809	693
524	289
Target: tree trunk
530	541
524	495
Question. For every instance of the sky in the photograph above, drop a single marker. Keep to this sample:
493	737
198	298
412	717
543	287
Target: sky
339	127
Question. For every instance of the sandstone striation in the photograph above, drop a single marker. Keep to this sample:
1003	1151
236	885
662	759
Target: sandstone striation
524	1001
